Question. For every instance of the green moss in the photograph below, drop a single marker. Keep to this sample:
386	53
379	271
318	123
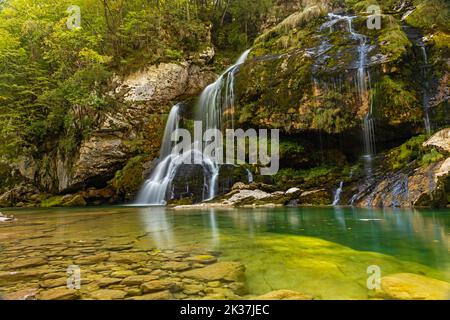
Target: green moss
431	14
128	180
56	201
431	157
394	42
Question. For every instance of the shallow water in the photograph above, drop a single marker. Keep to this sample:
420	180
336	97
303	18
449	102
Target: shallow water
323	252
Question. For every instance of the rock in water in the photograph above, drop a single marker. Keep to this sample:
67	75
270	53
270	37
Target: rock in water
284	295
408	286
228	271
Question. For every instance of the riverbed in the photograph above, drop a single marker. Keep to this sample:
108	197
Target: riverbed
158	253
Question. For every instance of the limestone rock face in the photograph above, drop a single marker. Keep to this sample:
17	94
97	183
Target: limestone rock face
440	139
408	286
99	158
425	186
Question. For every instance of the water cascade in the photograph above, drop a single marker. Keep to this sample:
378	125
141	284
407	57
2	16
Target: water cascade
216	100
362	81
337	195
425	96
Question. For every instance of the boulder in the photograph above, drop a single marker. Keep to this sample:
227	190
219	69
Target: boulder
315	197
440	139
408	286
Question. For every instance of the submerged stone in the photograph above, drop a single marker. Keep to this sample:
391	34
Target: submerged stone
284	295
229	271
409	286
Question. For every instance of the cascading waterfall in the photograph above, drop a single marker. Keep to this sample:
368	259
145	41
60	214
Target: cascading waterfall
249	176
362	81
337	195
155	188
215	101
425	97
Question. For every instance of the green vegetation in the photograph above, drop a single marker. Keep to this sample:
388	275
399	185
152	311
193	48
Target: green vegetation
129	179
53	79
413	150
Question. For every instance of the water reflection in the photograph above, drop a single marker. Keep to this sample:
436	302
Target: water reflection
157	226
411	235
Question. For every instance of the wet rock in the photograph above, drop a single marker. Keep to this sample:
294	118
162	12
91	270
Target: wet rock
54	275
106	282
76	201
284	295
214	284
162	295
92	259
59	294
176	266
25	275
293	192
192	289
203	259
24	294
28	262
108	294
246	196
138	280
159	285
238	288
128	257
315	197
53	283
132	292
408	286
228	271
122	274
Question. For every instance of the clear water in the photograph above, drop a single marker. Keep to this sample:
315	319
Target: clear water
320	251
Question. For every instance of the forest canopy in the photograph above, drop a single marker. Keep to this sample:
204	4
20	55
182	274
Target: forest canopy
53	78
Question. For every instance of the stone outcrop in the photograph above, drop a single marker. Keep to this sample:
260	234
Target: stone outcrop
426	185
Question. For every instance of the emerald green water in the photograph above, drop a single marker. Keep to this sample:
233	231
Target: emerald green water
319	251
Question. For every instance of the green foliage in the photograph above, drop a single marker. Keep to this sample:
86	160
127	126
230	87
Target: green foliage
128	180
431	157
431	14
412	150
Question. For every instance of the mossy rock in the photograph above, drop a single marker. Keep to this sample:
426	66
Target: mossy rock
126	182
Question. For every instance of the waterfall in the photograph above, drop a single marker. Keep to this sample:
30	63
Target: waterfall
425	97
216	100
155	188
249	176
337	195
362	80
